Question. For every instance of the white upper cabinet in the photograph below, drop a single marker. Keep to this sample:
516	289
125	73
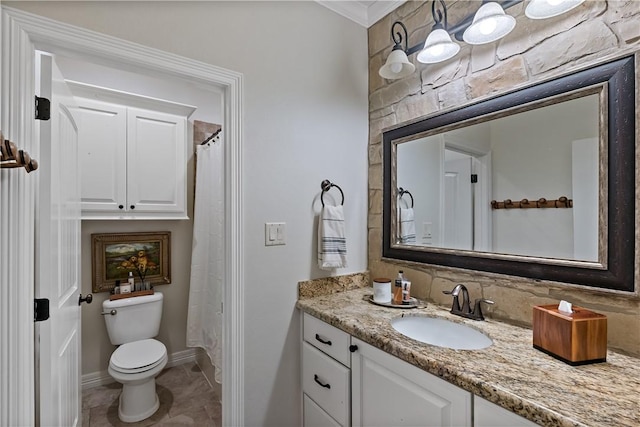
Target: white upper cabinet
133	155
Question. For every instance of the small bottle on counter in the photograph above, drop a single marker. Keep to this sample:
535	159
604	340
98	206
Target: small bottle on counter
397	288
406	292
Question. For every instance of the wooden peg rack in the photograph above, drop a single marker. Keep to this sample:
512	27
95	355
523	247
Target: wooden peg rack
12	157
560	202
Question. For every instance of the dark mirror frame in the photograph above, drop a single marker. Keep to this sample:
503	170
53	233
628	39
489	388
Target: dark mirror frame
618	274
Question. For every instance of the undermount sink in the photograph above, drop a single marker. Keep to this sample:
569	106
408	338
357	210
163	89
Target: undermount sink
441	333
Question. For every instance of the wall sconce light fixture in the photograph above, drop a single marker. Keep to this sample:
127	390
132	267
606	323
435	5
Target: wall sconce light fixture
438	47
398	64
490	23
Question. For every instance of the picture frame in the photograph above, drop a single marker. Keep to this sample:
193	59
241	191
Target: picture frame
113	255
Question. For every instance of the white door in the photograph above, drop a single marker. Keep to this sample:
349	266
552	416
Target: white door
387	391
103	155
584	184
57	255
458	205
154	138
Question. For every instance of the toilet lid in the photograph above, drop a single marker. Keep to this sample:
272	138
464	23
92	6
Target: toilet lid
138	355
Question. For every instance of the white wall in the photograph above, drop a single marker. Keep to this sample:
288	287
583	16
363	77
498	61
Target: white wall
306	119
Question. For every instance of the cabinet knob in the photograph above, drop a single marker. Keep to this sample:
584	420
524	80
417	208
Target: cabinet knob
353	348
121	207
133	206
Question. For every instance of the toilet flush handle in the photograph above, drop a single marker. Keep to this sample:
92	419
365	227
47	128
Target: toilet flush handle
112	312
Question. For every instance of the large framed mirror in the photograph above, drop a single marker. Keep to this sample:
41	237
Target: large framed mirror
538	182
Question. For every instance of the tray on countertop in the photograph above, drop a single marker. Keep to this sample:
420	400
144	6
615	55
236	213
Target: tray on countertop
413	303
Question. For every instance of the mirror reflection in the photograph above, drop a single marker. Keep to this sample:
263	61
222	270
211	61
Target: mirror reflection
521	184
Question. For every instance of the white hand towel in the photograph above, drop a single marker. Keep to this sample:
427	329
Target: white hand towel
332	244
407	226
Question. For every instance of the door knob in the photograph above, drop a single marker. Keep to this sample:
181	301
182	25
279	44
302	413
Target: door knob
86	299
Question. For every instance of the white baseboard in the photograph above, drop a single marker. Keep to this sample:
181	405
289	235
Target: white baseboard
96	379
182	357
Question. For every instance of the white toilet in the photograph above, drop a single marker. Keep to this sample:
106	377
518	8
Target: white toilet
132	323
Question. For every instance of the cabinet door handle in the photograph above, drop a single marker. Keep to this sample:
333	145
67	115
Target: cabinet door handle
353	348
327	342
133	206
317	379
121	207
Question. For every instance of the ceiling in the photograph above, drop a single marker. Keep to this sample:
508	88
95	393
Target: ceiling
365	13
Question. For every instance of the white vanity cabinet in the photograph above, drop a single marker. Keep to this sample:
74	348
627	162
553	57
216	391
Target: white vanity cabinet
487	414
326	375
387	391
133	154
346	381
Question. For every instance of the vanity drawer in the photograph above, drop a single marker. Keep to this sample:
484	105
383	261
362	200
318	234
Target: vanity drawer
326	382
315	416
327	338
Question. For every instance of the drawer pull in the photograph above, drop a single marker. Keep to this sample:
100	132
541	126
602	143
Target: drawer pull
323	341
353	348
317	379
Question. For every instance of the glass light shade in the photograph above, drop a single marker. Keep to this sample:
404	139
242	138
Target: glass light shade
397	65
438	47
490	23
541	9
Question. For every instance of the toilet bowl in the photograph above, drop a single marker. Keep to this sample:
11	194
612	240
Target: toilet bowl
135	365
131	324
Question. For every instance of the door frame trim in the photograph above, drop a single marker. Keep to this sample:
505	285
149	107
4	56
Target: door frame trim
21	33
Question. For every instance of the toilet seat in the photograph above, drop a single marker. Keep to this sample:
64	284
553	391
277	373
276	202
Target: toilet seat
138	356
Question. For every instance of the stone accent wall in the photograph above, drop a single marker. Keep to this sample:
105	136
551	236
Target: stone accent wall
534	51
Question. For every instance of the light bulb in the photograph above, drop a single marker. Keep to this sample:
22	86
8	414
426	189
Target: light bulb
488	26
396	67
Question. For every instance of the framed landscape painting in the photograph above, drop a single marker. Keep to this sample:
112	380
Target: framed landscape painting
146	255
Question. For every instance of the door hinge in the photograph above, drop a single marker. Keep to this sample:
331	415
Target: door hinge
43	108
474	178
40	309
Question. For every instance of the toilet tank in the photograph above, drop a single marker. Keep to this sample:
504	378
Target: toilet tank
135	318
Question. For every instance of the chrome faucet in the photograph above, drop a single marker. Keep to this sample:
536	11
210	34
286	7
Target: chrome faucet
465	310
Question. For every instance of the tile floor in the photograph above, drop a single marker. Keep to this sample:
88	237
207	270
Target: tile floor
186	399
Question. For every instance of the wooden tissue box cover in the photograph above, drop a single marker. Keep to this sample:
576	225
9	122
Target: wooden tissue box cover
577	338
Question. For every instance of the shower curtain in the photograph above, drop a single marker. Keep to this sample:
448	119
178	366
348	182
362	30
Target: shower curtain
204	320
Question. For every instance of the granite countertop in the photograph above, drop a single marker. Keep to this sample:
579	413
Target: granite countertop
510	373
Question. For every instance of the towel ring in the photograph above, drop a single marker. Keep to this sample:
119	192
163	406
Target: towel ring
402	192
326	186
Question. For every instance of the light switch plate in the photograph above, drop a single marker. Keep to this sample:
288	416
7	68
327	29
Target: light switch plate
275	233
